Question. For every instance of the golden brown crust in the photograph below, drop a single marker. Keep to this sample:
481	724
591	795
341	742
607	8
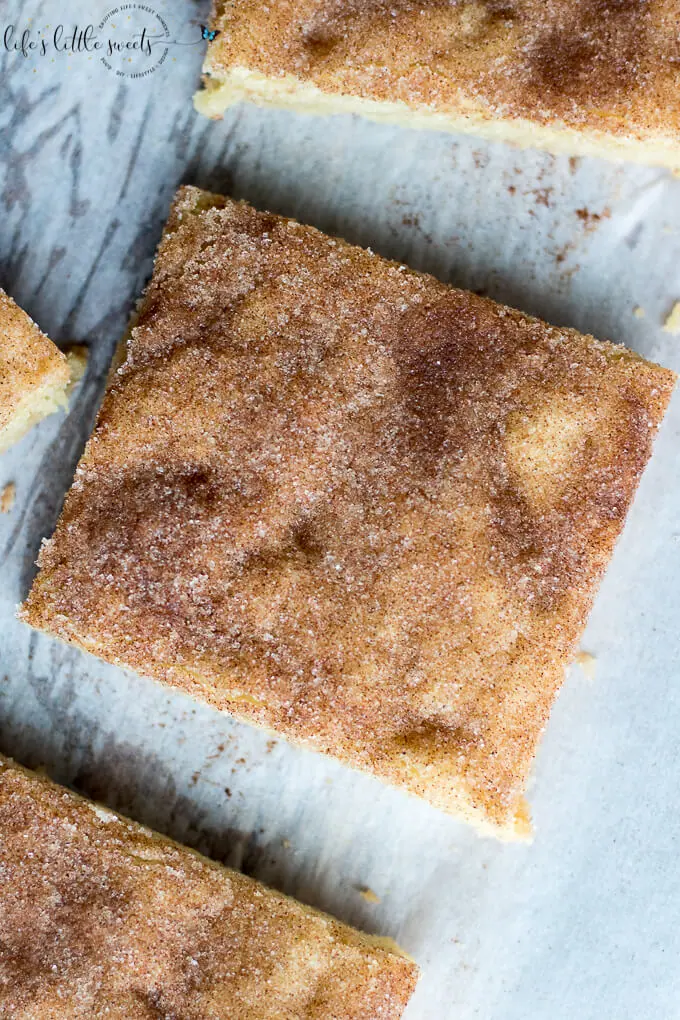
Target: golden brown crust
101	917
30	364
350	504
610	66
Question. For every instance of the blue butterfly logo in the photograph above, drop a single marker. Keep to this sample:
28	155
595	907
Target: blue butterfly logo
209	33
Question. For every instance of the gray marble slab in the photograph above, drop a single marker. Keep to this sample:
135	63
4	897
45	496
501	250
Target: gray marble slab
582	925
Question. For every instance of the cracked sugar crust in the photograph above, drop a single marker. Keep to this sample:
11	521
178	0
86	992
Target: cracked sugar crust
101	917
350	504
29	364
609	65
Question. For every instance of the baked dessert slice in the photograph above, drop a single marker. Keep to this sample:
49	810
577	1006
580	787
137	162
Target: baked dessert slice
578	76
350	504
100	916
34	374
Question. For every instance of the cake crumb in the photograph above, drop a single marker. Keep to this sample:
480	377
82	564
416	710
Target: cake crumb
285	843
76	358
639	312
7	497
587	663
368	894
672	323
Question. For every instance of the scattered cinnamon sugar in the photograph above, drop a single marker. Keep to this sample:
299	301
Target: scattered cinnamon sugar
543	196
592	219
562	254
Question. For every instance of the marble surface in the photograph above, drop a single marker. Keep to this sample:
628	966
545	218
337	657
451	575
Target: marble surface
579	925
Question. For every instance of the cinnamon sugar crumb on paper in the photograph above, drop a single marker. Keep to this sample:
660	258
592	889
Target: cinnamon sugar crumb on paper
639	312
672	323
367	894
76	357
7	497
587	662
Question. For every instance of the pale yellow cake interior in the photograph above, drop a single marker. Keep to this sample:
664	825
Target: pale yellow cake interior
35	406
223	90
34	375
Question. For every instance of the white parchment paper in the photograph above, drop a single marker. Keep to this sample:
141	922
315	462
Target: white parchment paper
581	925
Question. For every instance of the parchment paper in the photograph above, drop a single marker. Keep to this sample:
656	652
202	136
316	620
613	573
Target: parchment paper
583	923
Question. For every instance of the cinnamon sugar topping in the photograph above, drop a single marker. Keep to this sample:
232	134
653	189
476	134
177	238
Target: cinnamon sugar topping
101	917
349	503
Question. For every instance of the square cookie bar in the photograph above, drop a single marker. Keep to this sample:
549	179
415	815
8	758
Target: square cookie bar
34	374
101	917
350	504
578	76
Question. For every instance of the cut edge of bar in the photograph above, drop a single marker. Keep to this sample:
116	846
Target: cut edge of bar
223	89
